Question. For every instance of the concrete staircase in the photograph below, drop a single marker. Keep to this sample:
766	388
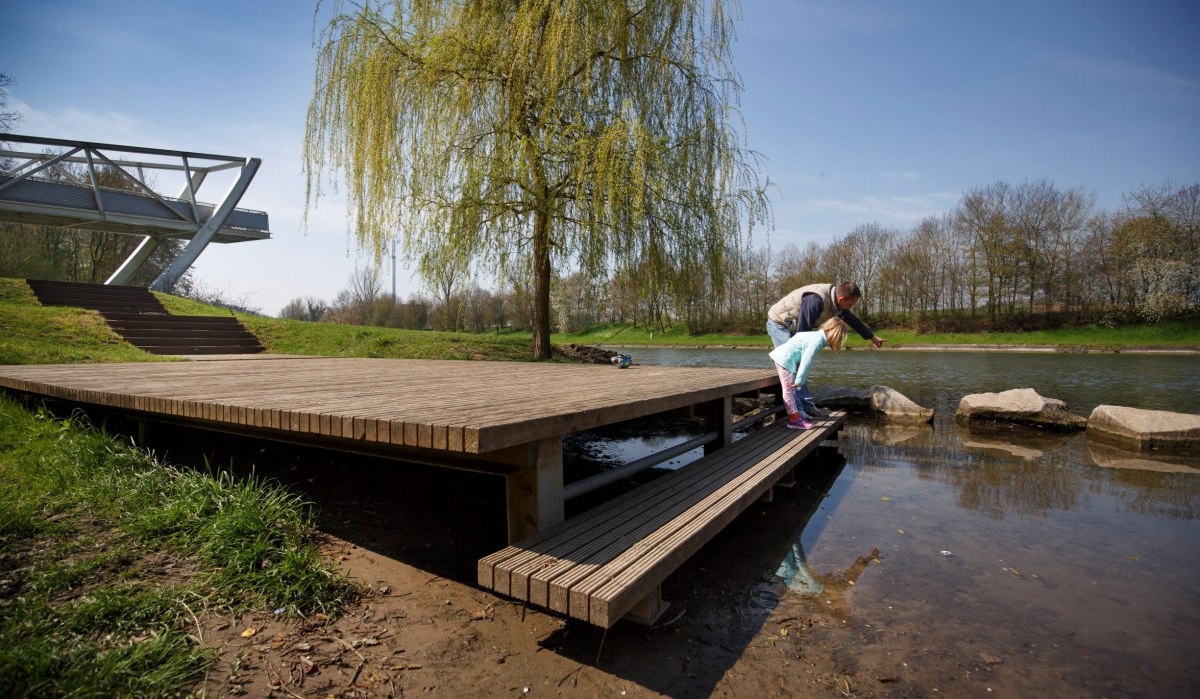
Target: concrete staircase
136	315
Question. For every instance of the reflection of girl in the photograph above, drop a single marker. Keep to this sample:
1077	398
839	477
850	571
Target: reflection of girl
793	359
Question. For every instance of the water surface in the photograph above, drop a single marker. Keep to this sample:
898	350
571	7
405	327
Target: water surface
1002	563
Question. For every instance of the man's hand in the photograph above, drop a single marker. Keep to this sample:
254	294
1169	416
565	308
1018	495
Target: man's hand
878	341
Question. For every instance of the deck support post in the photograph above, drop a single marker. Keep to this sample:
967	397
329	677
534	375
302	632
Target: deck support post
143	433
718	417
649	610
535	491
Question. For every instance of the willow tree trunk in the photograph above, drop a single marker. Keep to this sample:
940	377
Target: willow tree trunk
541	285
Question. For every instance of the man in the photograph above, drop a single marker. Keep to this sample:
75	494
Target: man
807	308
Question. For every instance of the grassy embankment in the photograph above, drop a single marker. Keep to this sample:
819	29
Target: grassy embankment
334	340
34	334
1160	335
110	561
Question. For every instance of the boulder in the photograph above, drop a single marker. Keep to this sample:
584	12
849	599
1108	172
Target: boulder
893	406
1018	406
745	406
1146	429
883	402
843	398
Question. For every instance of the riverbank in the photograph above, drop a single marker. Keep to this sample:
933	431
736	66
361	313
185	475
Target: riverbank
1039	349
1173	337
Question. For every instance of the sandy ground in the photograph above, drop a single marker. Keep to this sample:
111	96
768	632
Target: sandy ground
413	537
419	634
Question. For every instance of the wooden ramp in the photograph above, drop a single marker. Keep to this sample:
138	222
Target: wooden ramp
610	562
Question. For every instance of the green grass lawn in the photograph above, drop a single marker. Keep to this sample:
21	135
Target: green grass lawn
109	559
34	334
335	340
1167	334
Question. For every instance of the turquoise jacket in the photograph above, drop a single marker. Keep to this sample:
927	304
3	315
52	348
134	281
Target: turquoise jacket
796	355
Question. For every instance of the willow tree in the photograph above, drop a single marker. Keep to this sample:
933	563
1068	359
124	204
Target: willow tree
523	136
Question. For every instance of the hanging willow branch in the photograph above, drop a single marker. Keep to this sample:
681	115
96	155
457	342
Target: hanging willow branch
595	133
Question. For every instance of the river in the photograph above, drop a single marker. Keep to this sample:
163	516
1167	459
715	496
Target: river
1010	563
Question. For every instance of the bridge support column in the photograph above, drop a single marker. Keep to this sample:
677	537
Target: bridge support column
135	261
167	279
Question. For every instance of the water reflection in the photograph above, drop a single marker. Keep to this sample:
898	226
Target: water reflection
1112	457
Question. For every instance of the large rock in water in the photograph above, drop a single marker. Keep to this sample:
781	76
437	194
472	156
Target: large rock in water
1019	406
893	406
1146	429
842	398
883	402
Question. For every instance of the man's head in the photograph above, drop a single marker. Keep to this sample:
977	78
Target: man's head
846	295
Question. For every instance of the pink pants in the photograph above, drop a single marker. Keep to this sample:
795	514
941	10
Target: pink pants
788	380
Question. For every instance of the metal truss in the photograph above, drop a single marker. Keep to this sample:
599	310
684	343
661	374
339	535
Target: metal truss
39	188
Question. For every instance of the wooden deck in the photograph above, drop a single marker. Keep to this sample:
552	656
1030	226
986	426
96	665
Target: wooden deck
502	417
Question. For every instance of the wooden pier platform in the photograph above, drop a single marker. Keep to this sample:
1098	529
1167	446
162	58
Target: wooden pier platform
506	418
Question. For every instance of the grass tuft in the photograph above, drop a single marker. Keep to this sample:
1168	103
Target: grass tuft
87	606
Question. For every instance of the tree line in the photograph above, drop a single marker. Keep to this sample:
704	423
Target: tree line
1030	255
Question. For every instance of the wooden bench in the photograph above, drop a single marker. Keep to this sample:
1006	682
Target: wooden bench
610	561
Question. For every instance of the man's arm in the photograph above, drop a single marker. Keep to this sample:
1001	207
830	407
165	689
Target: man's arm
861	328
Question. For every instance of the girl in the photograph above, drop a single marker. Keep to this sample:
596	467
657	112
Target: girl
793	359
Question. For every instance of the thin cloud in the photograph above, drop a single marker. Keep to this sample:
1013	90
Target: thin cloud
890	209
81	124
1167	84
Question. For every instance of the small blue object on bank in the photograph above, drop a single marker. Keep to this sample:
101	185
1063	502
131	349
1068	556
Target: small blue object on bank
622	360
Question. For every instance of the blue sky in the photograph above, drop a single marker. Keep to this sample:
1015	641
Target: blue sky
866	112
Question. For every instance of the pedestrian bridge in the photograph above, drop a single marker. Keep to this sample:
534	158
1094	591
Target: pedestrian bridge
104	187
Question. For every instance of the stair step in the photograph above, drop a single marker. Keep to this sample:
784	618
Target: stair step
153	333
173	327
197	349
106	308
248	341
136	314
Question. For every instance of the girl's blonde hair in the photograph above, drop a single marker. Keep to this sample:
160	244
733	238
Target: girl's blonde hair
835	333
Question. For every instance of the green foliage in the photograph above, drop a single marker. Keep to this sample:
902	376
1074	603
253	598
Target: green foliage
525	136
87	521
